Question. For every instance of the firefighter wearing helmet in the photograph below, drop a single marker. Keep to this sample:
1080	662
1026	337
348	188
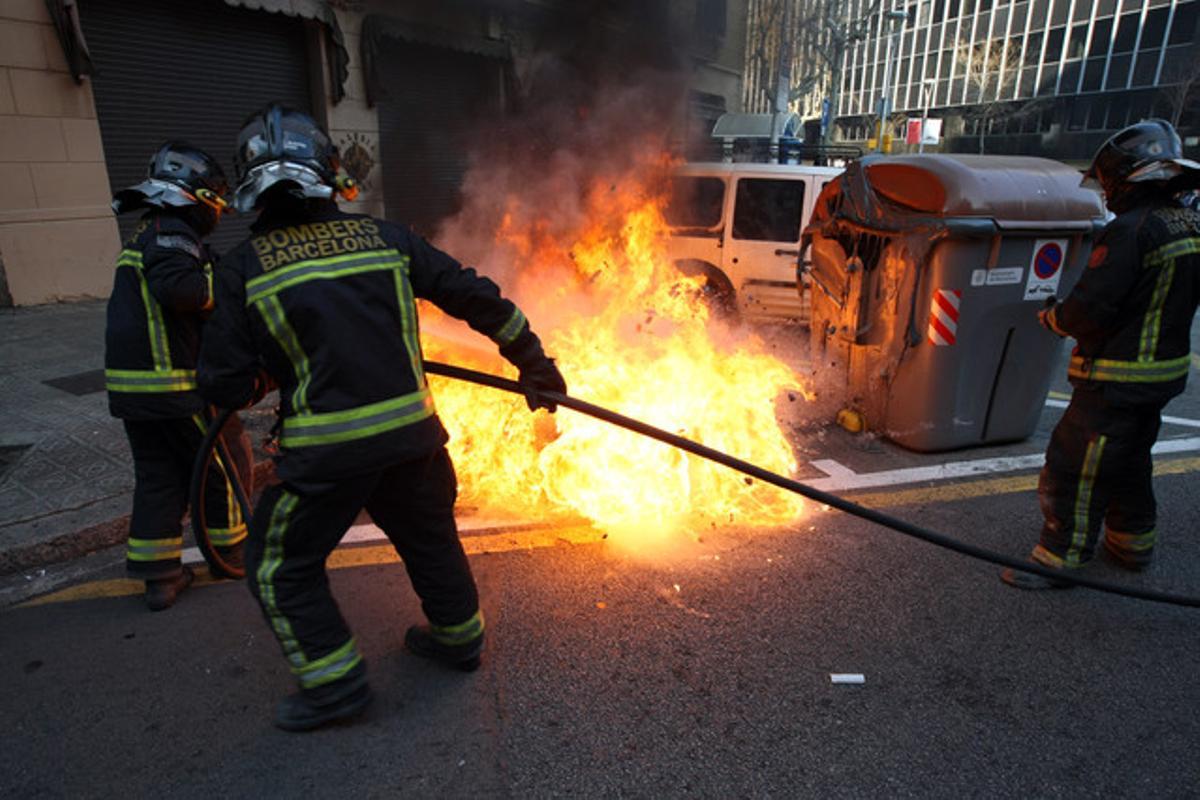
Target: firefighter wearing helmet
1130	315
323	302
162	291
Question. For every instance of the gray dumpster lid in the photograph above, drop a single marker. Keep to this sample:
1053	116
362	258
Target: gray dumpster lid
896	191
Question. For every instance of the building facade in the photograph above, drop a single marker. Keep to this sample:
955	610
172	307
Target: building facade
89	88
1035	77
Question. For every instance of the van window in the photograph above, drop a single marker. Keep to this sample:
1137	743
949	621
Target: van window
768	210
695	202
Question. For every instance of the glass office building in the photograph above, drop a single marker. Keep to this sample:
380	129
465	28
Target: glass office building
1039	77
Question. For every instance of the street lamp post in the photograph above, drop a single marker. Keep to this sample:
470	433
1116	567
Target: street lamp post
927	87
884	99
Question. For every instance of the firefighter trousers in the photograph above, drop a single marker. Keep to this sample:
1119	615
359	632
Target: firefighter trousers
1099	471
164	451
293	531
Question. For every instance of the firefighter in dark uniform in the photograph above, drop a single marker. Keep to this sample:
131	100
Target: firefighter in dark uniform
323	303
1131	315
161	294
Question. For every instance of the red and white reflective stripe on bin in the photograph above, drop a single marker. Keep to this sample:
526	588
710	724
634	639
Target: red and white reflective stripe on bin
943	316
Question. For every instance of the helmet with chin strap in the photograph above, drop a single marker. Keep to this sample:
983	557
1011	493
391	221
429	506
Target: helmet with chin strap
1148	152
179	175
281	147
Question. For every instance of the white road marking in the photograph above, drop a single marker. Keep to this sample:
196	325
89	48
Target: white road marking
369	532
1183	421
832	468
966	469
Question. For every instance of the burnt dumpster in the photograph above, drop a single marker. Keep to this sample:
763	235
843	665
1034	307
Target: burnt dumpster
927	273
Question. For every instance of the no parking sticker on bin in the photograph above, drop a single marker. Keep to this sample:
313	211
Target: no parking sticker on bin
1046	268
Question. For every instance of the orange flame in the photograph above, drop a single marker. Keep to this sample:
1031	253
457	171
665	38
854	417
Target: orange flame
629	333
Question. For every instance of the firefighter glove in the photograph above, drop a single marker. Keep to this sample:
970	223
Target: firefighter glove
541	376
1046	317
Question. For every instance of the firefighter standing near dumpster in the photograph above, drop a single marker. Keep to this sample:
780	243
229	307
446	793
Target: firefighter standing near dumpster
1131	315
161	294
323	302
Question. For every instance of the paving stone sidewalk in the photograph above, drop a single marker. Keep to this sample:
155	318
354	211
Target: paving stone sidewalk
66	477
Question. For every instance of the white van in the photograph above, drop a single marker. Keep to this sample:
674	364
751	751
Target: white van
739	225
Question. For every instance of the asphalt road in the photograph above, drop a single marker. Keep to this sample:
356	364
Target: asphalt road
704	673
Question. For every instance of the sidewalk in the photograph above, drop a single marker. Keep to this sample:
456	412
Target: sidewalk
66	478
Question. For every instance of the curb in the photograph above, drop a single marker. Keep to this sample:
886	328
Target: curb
86	536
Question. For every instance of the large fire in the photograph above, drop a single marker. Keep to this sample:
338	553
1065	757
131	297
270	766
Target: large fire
629	333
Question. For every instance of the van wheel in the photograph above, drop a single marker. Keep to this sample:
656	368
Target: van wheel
717	292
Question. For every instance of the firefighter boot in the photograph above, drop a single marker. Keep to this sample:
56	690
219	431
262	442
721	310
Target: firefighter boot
311	708
161	593
420	641
1031	581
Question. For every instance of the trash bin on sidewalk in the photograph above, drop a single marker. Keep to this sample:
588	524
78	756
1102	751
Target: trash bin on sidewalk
927	274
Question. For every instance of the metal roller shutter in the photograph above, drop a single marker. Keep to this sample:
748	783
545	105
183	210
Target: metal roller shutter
190	71
436	102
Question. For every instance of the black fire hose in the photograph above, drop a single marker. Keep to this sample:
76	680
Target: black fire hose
204	457
899	525
221	564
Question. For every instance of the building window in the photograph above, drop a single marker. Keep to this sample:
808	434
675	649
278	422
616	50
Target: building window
710	18
1093	75
1183	26
1101	38
1145	67
1126	34
1155	27
1118	72
1078	38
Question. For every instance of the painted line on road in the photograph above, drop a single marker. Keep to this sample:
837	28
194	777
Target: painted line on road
848	480
1181	421
527	537
990	487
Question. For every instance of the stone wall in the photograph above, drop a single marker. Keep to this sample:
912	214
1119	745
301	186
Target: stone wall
58	236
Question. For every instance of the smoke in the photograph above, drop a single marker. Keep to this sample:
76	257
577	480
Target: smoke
601	95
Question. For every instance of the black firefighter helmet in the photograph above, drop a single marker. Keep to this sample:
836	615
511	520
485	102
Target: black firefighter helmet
279	146
1148	152
179	175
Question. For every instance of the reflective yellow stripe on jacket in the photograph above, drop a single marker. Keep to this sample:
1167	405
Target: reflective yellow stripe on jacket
1103	369
155	381
334	427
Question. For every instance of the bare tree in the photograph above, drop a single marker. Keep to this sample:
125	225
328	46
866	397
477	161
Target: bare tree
825	32
989	70
799	46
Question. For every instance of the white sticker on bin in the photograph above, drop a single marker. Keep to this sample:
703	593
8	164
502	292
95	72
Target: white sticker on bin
1001	276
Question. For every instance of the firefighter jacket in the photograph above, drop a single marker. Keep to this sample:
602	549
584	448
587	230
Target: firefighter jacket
324	302
161	293
1131	311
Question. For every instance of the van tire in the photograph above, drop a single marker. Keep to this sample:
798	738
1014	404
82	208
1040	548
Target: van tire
717	292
